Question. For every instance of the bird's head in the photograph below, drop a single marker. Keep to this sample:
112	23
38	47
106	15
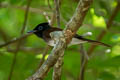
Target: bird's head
38	30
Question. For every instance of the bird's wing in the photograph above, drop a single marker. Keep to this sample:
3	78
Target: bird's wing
46	33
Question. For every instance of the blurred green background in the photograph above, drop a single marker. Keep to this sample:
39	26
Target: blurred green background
104	63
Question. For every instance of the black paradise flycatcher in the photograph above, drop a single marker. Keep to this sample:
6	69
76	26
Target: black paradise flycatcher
43	31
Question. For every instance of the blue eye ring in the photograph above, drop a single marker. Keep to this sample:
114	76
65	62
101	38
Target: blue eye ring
40	28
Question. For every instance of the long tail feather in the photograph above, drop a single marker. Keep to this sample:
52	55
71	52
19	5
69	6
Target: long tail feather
97	42
94	42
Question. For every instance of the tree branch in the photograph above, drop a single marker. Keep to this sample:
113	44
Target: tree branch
84	57
14	40
57	6
63	37
79	15
58	68
50	7
43	58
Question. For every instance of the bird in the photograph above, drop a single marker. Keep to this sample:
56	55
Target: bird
43	31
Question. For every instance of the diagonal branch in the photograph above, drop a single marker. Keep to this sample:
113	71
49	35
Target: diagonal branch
43	57
60	46
14	40
79	15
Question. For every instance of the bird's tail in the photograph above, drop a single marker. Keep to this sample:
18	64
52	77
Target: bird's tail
94	42
97	43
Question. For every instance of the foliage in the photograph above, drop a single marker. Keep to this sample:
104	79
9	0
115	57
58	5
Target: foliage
104	63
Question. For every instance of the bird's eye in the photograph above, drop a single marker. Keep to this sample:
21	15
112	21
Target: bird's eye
40	28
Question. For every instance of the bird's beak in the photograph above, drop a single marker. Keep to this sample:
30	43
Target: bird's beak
32	31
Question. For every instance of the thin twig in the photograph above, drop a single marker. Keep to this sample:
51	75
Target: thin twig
57	11
12	67
46	16
52	19
48	1
101	35
83	58
14	40
30	50
26	17
43	56
20	41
